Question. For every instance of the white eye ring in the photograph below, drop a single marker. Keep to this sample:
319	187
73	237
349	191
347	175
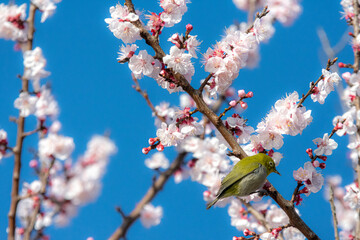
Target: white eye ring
271	164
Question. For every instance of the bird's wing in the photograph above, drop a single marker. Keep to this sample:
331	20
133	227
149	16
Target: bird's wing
234	175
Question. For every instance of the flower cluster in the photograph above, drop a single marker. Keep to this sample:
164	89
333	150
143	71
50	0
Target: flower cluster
286	117
347	204
34	63
274	216
285	11
71	185
120	24
184	126
325	86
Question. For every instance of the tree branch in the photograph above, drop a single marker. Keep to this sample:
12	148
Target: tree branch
286	205
146	97
20	136
44	177
333	211
156	187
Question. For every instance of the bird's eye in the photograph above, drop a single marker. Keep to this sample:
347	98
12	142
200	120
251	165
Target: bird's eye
271	164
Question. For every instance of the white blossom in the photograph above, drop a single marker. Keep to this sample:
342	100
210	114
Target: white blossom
35	63
325	145
150	215
57	146
157	160
169	135
179	61
141	64
13	22
26	104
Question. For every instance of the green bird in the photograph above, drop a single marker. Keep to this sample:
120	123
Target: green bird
247	176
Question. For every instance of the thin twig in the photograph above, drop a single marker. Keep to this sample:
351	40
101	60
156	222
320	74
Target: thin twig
146	97
154	189
44	178
313	85
333	211
19	135
258	16
259	216
296	192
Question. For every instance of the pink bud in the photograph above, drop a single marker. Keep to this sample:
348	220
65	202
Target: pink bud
346	76
21	231
341	65
250	94
146	150
206	194
189	27
316	163
232	103
160	147
241	93
309	152
324	158
33	163
247	232
172	85
322	165
152	141
243	105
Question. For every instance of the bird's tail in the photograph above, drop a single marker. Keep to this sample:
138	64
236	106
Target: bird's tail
209	205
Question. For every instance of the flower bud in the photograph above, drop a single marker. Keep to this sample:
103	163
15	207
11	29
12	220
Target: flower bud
152	141
309	151
232	103
189	27
33	163
243	105
146	150
341	65
324	158
160	147
241	93
250	94
322	165
247	232
316	163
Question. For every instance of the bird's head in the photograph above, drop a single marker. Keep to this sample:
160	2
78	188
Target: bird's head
268	163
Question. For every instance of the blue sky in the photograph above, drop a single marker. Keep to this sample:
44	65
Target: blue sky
95	95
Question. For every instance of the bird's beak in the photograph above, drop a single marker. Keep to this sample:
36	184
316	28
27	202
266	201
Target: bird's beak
276	171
